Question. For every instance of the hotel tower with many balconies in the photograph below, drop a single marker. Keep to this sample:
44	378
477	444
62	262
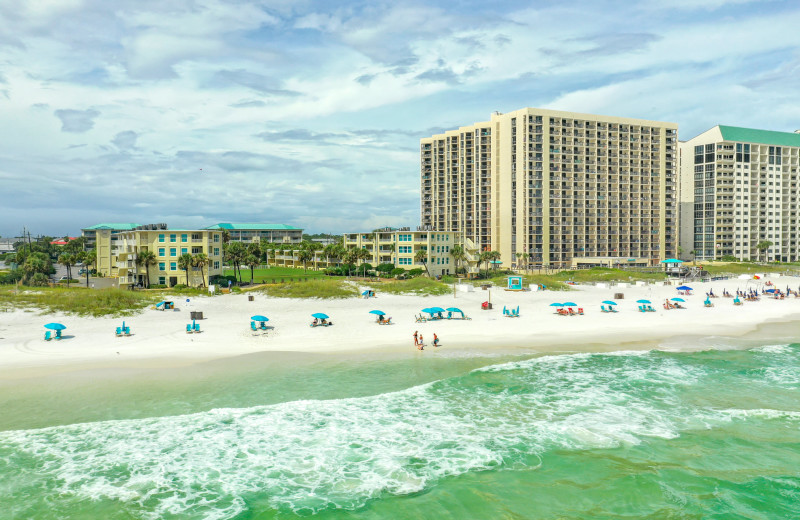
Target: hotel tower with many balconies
559	189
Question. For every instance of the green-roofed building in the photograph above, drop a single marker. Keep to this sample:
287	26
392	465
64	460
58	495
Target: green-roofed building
739	188
256	231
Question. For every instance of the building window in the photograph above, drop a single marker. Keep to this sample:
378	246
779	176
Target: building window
216	264
184	237
404	261
162	266
197	236
404	249
197	250
173	266
404	238
216	237
173	237
185	250
162	280
216	251
162	251
161	237
173	251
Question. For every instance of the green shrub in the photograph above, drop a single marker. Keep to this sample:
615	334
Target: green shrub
158	286
317	288
415	272
385	268
180	286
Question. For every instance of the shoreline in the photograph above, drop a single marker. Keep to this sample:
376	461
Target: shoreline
159	340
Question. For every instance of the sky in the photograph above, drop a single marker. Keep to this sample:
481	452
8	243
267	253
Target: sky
194	112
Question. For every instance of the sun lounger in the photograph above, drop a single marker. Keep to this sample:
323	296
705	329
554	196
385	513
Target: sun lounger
58	334
562	312
420	318
253	326
580	311
385	321
642	308
570	311
650	309
47	336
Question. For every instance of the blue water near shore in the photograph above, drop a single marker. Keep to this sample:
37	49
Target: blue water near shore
708	434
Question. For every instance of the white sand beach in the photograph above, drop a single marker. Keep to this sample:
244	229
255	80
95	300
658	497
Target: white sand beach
159	338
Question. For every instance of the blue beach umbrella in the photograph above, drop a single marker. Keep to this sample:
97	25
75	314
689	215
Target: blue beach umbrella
379	313
437	309
643	301
259	317
454	309
609	302
671	261
55	326
677	299
570	304
556	305
319	316
685	288
770	290
428	310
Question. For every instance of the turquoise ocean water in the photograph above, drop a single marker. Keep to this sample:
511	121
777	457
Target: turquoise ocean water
706	434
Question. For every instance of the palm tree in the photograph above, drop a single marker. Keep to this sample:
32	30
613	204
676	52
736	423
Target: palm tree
363	255
458	254
272	254
526	256
185	262
519	256
762	246
200	260
89	259
304	255
146	258
252	262
693	252
266	249
494	256
226	237
350	257
68	260
422	256
235	254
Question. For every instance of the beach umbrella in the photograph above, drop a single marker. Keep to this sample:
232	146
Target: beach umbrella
570	304
319	316
259	317
428	310
454	309
55	326
643	301
677	299
379	313
556	305
770	290
437	309
685	288
671	261
609	302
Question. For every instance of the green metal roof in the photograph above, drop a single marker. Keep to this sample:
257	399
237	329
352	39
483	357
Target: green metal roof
251	226
114	225
751	135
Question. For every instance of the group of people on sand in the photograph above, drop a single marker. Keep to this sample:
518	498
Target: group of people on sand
321	323
419	342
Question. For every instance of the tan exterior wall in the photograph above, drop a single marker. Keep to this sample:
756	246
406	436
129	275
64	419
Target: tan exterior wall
555	185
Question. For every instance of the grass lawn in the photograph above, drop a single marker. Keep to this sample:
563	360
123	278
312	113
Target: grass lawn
79	301
420	286
327	288
747	268
275	272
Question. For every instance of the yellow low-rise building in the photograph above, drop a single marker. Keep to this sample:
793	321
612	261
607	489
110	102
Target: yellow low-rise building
167	246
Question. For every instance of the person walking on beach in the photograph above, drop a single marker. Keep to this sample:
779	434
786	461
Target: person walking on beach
416	340
435	340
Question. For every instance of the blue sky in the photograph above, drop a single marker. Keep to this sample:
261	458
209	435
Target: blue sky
193	112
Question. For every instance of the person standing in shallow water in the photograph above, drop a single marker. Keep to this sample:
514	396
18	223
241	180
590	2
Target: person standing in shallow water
416	340
435	340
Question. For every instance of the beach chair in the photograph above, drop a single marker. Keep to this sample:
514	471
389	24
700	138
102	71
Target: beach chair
642	308
603	308
650	309
465	317
58	334
707	303
47	336
126	330
189	328
570	311
262	327
737	301
197	328
253	326
119	331
580	311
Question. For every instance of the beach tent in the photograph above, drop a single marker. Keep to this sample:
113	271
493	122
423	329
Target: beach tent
319	316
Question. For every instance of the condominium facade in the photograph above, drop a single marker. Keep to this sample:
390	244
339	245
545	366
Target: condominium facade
400	247
256	232
103	238
556	188
167	245
739	188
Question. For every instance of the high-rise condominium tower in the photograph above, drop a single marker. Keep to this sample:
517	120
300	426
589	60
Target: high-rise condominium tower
553	188
739	191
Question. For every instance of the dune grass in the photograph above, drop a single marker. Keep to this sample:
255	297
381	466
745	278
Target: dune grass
608	274
747	268
276	273
327	288
420	286
77	301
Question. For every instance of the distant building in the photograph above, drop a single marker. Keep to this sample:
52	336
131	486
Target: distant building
7	245
256	232
61	241
563	189
103	238
740	187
